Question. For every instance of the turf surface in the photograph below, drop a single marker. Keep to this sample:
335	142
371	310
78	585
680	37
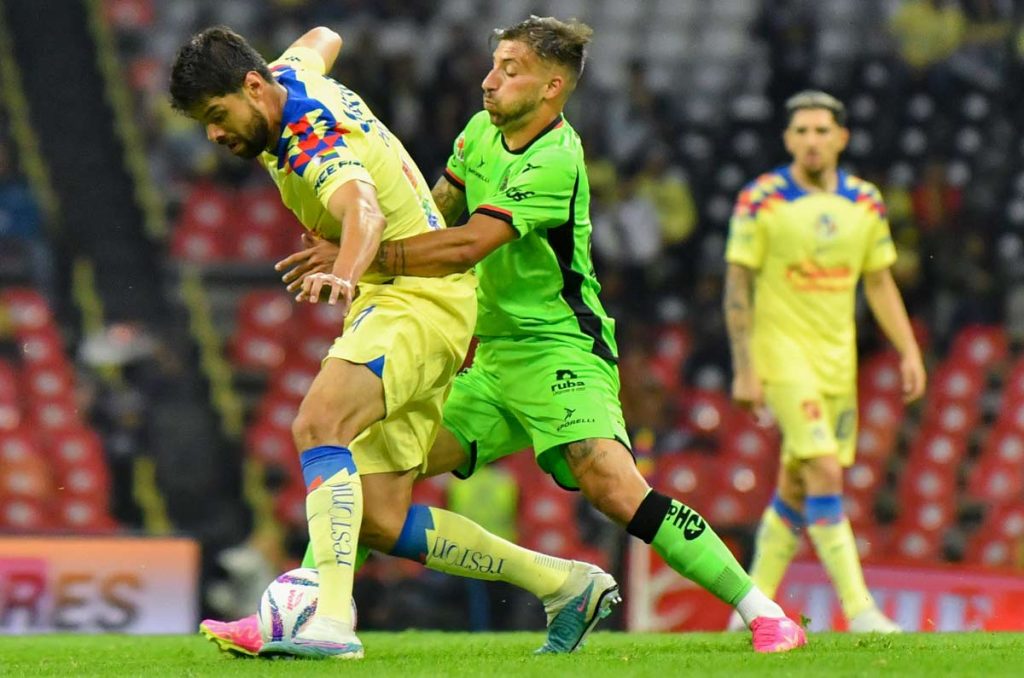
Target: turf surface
415	654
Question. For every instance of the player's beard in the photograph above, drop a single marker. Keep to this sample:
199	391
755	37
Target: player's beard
512	117
256	137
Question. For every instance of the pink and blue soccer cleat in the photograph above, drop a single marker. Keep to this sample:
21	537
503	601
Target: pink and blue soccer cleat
777	634
241	637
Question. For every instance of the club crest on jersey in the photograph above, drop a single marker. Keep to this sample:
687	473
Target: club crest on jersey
826	227
460	148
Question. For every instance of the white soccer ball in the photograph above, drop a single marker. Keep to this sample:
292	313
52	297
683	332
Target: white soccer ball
289	603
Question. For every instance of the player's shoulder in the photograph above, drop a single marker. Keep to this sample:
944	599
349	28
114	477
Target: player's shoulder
765	184
860	191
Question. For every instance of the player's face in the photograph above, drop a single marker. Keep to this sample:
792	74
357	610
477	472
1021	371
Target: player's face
234	121
514	88
815	139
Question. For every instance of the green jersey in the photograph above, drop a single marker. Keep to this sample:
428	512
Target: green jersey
541	285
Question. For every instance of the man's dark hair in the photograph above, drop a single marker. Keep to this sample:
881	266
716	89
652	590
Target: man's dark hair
213	63
561	42
812	98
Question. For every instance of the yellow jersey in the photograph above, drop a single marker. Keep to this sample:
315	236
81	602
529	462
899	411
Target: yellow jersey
329	136
808	249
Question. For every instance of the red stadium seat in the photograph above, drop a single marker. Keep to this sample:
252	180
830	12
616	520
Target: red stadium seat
24	468
705	414
290	508
278	411
859	508
267	311
875	445
955	417
44	382
432	491
312	348
992	550
925	481
43	347
981	345
255	350
996	482
688	476
23	515
26	308
559	540
756	446
864	478
956	382
914	543
730	509
882	411
199	245
262	246
933	446
872	542
51	415
320	319
88	481
880	374
547	504
751	485
292	379
206	207
80	514
260	208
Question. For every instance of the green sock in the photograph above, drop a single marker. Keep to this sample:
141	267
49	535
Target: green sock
690	547
309	560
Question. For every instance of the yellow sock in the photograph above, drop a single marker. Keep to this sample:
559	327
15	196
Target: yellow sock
774	547
837	551
334	510
451	543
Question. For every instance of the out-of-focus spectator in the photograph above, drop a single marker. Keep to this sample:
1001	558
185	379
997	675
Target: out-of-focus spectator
936	203
928	31
21	226
789	29
666	187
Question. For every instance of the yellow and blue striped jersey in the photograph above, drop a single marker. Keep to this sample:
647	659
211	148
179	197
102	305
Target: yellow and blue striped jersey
808	249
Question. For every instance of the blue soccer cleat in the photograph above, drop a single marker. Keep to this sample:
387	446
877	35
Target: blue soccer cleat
575	609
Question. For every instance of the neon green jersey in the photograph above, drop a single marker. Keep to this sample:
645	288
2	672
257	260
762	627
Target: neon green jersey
809	250
541	285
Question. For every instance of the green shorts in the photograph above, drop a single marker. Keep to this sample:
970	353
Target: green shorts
522	393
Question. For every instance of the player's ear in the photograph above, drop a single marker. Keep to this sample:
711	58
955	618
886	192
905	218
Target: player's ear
253	84
556	86
844	138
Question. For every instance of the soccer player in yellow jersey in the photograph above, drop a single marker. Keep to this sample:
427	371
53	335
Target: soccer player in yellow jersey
374	409
800	238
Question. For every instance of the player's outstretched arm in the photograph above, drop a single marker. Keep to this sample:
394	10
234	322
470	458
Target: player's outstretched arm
354	204
440	253
886	305
450	200
324	42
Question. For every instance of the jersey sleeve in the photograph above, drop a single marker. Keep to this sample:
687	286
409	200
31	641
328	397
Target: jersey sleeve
455	170
540	196
317	152
746	243
300	58
881	251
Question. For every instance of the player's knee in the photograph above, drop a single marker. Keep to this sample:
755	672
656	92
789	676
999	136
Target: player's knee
822	475
314	426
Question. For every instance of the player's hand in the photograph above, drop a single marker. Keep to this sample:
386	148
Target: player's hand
340	291
913	376
748	393
317	256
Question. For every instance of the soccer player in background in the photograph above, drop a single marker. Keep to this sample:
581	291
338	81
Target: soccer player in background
545	371
801	237
374	409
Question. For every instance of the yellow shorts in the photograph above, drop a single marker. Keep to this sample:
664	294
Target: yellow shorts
421	327
813	424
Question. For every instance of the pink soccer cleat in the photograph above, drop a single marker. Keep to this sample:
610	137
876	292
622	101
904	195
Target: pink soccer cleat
240	637
777	634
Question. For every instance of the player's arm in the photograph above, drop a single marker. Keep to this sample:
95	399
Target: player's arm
440	253
738	306
324	42
450	199
354	204
886	305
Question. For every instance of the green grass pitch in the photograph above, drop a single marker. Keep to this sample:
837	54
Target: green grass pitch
416	654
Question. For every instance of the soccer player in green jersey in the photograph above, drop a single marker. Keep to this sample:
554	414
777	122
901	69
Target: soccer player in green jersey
800	238
545	369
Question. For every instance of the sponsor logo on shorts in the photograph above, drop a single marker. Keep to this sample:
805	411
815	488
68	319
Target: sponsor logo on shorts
812	409
569	421
566	381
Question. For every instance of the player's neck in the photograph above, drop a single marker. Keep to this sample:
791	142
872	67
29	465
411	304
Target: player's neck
516	138
826	180
278	97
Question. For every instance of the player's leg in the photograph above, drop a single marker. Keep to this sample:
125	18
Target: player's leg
576	425
343	402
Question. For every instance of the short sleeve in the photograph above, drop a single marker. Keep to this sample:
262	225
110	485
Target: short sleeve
455	170
317	152
881	251
746	243
300	58
540	195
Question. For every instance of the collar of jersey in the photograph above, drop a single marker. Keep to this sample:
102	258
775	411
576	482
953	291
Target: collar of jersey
297	105
792	190
554	124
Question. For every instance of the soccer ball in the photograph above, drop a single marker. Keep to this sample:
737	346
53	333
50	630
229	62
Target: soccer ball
289	603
